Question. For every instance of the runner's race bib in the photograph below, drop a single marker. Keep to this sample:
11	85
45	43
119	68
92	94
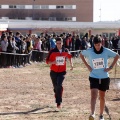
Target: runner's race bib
60	60
98	63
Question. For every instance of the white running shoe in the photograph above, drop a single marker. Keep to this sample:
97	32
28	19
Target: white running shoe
92	117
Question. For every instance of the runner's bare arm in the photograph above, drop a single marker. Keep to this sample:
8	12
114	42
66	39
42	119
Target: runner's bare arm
86	64
50	63
71	63
113	63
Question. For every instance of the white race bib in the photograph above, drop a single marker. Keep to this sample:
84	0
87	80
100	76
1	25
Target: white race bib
60	60
98	63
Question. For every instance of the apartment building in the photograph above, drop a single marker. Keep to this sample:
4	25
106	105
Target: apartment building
50	10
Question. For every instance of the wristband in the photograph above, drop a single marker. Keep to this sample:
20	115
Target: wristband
111	67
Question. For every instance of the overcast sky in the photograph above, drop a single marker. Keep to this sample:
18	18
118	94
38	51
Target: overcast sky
106	10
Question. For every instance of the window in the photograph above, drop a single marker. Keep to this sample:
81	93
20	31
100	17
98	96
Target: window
45	18
12	6
36	6
28	18
28	7
68	19
44	6
59	7
73	18
52	18
21	18
73	6
52	6
4	6
60	19
20	6
68	6
5	18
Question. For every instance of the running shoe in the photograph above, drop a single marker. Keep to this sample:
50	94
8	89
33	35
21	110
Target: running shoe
101	117
58	105
92	117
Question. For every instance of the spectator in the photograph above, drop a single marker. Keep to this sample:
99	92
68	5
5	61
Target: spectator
115	43
10	49
18	42
119	47
4	45
77	44
52	42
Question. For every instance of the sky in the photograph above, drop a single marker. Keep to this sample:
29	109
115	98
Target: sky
106	10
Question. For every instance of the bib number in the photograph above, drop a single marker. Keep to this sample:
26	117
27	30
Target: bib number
60	60
98	63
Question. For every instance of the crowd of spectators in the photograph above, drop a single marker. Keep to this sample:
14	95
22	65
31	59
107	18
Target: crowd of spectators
17	50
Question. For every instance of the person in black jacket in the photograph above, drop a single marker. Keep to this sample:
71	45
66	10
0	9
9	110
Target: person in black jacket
10	49
77	45
115	43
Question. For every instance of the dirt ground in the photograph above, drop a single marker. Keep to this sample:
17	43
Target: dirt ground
27	94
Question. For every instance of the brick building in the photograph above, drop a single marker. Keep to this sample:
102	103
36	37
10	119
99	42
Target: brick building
52	10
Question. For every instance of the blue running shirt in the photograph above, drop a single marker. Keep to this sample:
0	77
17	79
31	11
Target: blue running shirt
98	62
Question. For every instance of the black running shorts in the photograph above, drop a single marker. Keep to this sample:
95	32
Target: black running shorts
101	84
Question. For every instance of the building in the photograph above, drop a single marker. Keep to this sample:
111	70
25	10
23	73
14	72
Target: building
50	10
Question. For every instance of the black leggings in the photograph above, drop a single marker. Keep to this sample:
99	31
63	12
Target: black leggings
57	80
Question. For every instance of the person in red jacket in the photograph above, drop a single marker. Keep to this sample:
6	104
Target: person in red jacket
57	60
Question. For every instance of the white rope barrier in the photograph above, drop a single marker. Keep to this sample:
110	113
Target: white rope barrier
116	49
15	53
43	52
75	51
